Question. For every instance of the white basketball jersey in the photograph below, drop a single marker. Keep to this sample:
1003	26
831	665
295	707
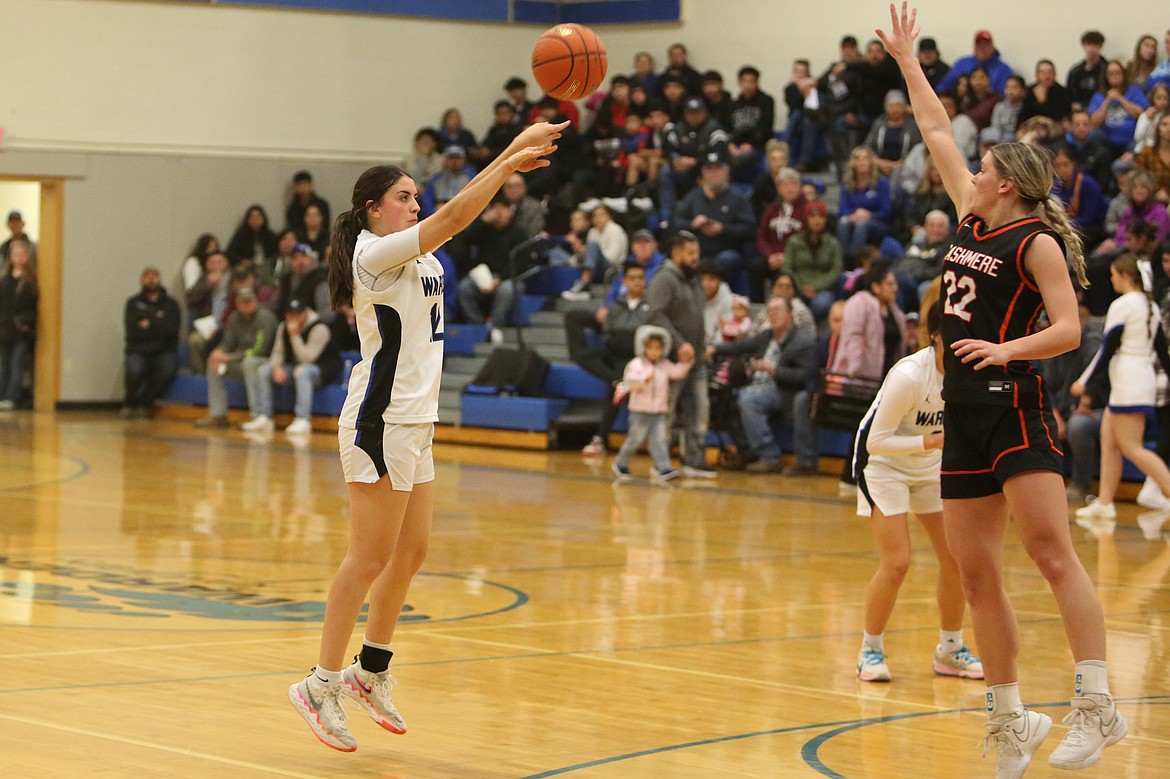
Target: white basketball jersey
400	324
914	388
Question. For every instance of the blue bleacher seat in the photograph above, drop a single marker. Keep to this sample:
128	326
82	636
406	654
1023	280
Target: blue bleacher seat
568	380
528	305
510	413
462	338
552	280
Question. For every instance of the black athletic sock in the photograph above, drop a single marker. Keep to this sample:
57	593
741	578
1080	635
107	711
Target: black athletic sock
374	660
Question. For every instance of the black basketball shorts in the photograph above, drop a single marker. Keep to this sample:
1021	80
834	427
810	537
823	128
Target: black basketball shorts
984	446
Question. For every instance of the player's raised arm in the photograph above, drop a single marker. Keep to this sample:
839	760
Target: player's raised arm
931	117
526	152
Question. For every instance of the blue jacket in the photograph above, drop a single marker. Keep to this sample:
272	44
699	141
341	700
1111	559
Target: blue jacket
617	287
1092	206
1161	75
997	69
877	199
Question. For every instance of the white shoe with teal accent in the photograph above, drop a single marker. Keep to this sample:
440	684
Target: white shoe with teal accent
959	663
871	665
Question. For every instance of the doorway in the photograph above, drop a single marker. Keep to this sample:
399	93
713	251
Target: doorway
40	203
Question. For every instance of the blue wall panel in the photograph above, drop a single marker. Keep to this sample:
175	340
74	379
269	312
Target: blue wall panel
535	12
522	11
620	11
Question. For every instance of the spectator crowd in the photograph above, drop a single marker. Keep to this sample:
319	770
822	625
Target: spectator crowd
681	203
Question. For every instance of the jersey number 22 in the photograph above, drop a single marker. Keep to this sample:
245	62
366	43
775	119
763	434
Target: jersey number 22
954	284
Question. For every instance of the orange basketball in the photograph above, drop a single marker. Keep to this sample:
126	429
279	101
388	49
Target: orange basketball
569	61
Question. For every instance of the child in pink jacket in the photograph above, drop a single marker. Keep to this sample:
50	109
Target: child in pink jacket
648	378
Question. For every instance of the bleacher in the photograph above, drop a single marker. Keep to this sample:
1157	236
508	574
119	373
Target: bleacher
568	408
571	399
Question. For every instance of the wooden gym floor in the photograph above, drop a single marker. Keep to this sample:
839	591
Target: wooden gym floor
161	587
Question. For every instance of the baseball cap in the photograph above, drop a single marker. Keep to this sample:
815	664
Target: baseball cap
895	96
715	158
927	44
303	248
246	293
642	235
816	207
912	316
983	36
295	305
15	215
454	150
694	104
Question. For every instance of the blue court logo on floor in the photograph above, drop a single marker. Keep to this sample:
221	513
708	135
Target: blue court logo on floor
27	587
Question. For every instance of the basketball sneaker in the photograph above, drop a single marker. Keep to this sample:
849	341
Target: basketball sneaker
621	474
1150	496
699	472
258	424
372	693
662	477
320	705
1016	738
579	291
959	663
595	448
1093	724
299	426
1097	510
871	665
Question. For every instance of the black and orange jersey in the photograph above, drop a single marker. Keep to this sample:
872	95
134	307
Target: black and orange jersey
988	295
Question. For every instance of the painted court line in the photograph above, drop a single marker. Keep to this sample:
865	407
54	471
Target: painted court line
155	647
927	601
135	742
815	692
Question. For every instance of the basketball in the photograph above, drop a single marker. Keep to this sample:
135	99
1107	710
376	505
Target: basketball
569	61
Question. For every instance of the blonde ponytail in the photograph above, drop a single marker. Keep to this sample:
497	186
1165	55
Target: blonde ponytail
1057	219
1030	168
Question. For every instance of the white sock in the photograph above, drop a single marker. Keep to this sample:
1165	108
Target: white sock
375	645
1003	699
1092	678
877	642
951	640
324	677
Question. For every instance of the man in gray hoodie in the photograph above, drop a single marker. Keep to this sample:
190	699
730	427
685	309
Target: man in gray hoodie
675	301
